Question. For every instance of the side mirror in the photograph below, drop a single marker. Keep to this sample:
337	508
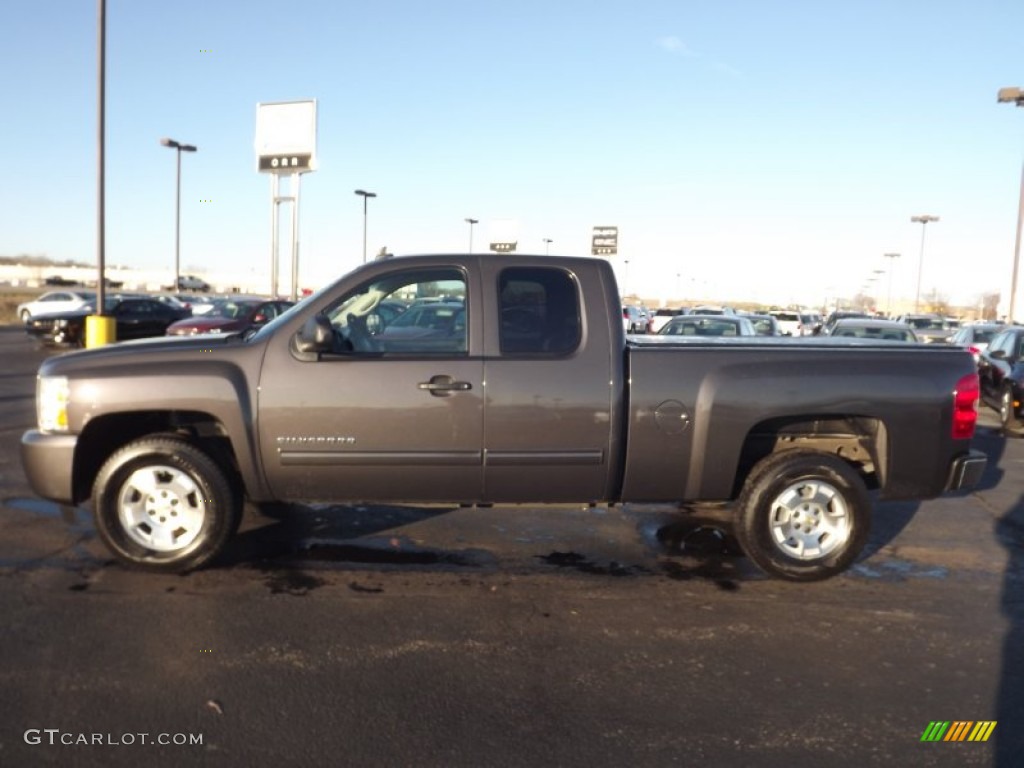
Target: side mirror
316	335
998	354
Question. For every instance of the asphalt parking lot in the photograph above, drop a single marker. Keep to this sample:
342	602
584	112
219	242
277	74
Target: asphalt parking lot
349	635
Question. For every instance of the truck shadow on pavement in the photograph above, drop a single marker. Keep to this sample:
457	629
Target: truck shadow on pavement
326	536
293	538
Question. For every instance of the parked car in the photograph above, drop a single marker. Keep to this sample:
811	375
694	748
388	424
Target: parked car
135	318
108	282
712	309
975	337
662	317
436	316
230	317
1001	375
788	320
929	328
764	325
873	328
709	325
204	304
569	410
422	328
192	283
55	301
838	314
810	323
634	320
172	300
58	280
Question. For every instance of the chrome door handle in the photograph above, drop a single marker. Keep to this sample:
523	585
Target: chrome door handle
443	385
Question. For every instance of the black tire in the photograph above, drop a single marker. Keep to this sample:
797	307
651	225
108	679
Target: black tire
162	504
803	515
1007	417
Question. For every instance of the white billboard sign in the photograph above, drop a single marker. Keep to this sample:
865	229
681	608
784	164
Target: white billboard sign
286	136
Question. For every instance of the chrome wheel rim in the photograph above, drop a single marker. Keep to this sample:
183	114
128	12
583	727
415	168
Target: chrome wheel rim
161	508
1005	407
810	520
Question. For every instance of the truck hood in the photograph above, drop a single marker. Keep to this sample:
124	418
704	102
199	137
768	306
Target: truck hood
130	355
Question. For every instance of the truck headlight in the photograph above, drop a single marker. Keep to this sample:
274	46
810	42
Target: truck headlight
52	403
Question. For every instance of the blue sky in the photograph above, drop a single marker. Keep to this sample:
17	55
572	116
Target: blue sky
746	150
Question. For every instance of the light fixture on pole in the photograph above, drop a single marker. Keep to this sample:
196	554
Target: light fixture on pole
365	195
888	302
177	208
1015	96
924	220
471	222
547	246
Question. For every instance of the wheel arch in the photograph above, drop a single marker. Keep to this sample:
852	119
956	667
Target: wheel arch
105	434
860	441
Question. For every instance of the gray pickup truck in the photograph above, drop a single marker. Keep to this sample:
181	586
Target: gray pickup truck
494	379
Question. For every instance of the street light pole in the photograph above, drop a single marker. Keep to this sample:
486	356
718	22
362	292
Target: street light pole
471	222
177	208
1015	96
365	195
888	302
923	220
547	246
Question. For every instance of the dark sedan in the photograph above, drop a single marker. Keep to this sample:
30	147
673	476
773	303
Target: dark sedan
1001	371
230	317
136	318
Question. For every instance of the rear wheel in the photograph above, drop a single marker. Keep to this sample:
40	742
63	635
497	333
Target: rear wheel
803	515
162	504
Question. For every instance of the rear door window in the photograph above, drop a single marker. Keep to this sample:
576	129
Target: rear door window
539	311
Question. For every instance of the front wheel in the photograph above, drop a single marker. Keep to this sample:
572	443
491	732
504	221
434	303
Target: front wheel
162	504
803	515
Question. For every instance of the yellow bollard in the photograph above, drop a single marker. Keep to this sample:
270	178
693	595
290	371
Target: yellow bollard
99	330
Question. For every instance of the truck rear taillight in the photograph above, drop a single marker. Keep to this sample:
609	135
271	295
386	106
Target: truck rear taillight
965	407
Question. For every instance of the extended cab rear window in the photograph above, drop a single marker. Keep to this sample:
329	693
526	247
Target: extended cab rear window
540	311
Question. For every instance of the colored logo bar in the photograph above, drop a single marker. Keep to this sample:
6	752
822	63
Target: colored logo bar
958	730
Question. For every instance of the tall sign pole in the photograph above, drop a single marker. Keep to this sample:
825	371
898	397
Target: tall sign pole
285	146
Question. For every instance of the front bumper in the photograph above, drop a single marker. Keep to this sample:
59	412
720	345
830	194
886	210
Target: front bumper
966	471
48	461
